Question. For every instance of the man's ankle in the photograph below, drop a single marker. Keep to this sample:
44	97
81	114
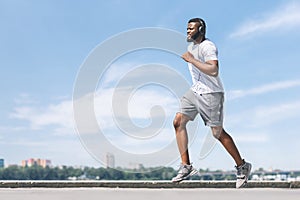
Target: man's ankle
186	163
241	163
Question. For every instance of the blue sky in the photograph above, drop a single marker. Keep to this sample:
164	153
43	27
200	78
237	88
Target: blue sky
44	43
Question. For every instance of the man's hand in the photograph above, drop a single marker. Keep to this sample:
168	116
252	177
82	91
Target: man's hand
187	56
210	67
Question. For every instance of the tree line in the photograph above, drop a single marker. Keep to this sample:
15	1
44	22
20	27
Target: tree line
71	173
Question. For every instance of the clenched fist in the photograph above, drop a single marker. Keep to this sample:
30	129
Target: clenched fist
187	56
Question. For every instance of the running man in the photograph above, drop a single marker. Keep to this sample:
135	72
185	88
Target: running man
205	97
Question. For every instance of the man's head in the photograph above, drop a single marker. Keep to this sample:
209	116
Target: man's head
196	30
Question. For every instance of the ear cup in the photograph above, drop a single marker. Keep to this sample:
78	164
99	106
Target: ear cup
202	27
201	30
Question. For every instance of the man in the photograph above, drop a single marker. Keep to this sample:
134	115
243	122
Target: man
205	97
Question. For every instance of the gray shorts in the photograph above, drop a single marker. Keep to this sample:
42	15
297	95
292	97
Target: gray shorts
209	106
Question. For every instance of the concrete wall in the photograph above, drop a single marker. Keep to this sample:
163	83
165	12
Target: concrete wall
146	184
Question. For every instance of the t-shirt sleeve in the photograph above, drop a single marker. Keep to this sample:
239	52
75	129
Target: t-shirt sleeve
210	52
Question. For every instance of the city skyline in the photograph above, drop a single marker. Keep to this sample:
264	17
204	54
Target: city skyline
110	164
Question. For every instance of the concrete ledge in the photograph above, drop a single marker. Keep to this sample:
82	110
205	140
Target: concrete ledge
146	184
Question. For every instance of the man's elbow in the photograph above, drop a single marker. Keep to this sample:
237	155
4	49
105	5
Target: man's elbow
214	68
214	74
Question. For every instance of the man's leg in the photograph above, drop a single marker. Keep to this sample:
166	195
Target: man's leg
228	143
243	168
179	123
186	169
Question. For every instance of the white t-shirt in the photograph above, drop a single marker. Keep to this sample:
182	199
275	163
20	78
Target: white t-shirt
203	83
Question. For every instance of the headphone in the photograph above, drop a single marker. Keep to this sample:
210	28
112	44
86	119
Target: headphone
202	26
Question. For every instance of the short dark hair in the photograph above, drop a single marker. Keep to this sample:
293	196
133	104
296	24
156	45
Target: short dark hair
200	21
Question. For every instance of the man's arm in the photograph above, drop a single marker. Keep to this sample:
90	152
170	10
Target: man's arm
210	67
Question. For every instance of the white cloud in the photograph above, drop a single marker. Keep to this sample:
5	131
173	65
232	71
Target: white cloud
276	113
116	71
285	16
264	116
60	115
152	144
5	129
281	85
142	101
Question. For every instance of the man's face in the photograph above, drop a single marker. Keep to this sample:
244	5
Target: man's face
192	31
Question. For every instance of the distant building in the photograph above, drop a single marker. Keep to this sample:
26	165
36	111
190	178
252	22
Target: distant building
1	163
36	162
110	160
136	166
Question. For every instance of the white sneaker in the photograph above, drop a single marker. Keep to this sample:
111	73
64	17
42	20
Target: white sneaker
184	172
242	174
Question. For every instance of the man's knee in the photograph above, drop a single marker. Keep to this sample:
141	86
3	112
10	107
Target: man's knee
179	121
176	121
217	131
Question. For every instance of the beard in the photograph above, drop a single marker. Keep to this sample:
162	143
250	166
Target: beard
193	37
